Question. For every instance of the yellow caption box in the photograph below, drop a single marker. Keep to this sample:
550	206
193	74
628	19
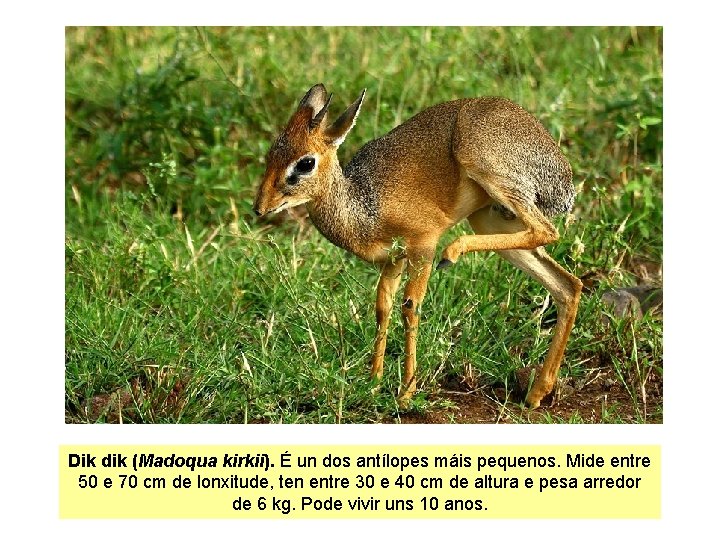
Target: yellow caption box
358	481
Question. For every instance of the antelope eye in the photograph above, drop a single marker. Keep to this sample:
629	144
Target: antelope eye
305	165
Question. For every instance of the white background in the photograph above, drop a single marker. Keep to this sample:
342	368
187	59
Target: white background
32	344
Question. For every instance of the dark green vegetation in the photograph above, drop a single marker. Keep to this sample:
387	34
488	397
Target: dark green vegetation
182	307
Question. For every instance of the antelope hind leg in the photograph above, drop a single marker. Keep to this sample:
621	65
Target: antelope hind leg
525	228
562	285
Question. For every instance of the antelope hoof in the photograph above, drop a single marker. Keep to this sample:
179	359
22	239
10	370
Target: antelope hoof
443	264
533	402
404	401
537	394
527	384
405	397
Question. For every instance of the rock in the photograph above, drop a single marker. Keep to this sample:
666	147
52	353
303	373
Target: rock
633	302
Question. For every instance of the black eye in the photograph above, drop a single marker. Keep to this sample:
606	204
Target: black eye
305	165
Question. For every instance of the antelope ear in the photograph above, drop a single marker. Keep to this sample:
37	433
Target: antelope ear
317	100
336	133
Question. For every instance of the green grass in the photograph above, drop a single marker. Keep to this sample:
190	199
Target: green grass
182	307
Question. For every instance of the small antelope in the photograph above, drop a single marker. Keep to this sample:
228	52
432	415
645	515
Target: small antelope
485	159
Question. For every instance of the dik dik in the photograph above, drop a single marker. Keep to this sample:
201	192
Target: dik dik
486	160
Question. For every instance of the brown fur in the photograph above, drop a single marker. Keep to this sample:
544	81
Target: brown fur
485	159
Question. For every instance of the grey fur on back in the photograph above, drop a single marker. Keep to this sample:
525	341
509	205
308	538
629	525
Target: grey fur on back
511	143
500	138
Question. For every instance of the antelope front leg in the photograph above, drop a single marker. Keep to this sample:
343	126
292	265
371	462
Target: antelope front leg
387	286
418	275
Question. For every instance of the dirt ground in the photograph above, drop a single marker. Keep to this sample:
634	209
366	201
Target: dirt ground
597	398
602	399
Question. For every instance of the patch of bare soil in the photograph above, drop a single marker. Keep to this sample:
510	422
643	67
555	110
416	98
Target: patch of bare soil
600	400
597	398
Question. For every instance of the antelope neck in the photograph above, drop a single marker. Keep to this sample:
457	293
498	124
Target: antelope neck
346	212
